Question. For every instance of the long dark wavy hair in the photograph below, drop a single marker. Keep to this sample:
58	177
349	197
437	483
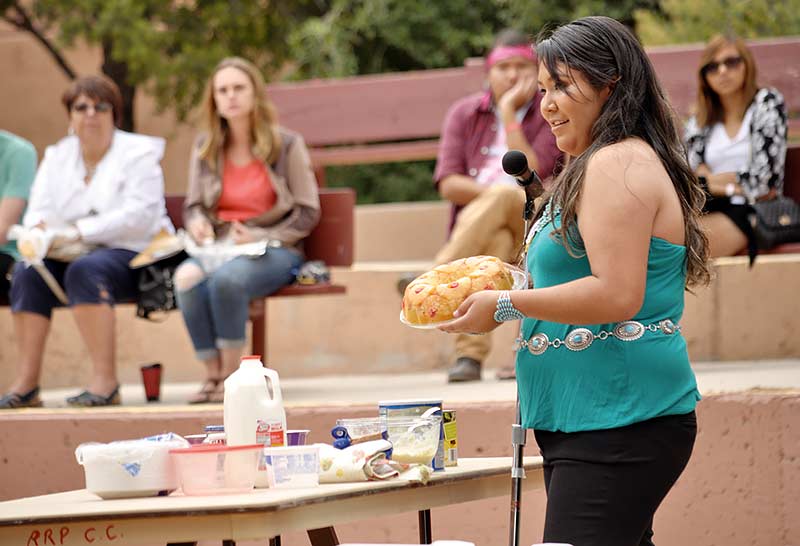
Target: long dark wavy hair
608	54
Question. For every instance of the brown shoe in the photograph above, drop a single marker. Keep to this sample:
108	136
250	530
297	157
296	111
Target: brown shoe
465	369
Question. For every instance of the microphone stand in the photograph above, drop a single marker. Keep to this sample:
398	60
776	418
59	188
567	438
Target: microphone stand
518	433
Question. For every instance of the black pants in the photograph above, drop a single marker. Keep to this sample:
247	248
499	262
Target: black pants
603	487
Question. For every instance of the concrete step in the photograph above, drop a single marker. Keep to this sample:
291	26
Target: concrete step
369	389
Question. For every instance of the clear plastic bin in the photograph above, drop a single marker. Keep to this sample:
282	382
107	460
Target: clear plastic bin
294	466
217	469
363	427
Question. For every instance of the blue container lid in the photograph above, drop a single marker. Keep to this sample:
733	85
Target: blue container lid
423	402
215	428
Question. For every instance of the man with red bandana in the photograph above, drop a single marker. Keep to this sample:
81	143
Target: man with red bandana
487	204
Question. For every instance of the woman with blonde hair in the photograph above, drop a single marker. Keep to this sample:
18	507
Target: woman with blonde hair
249	180
736	143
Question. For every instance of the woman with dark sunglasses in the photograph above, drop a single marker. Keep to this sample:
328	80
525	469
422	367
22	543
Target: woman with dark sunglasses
736	144
100	190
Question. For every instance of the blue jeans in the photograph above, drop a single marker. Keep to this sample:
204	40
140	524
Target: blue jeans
216	309
102	276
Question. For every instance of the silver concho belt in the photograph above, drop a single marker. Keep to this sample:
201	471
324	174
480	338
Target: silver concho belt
581	338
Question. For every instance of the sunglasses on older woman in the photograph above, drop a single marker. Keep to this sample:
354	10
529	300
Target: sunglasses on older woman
714	66
99	108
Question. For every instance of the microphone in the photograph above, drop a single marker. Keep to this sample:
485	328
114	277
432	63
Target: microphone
516	164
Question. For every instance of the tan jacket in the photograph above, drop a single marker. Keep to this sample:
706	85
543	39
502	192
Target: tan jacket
296	210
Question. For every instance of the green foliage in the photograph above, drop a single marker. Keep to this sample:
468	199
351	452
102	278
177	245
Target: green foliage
683	21
373	36
537	15
386	182
349	37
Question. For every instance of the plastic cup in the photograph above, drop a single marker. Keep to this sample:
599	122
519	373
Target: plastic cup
151	377
296	437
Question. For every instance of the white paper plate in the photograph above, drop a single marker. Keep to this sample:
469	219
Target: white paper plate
520	282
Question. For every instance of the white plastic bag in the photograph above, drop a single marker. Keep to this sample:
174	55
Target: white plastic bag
215	254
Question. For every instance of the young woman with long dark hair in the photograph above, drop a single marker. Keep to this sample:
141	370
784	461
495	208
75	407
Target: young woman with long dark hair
603	372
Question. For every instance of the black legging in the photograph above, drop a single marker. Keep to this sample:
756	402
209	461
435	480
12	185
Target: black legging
603	487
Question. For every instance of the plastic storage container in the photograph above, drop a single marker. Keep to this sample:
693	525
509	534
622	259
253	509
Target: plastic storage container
130	468
217	469
295	466
362	426
253	413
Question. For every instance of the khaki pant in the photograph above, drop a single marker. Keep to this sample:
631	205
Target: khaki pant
490	225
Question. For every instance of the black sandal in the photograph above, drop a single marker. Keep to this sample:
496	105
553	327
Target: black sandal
13	400
88	399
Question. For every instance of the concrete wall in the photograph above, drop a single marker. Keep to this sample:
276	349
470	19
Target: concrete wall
741	488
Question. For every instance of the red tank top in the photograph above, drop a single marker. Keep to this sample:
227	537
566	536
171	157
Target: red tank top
247	192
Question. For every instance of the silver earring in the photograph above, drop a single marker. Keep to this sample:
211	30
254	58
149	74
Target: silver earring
70	130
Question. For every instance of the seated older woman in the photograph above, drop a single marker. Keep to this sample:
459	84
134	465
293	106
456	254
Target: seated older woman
103	187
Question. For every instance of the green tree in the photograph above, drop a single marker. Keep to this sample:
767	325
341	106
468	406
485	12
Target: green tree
682	21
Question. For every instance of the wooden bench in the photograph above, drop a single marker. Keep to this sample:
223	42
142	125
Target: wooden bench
331	241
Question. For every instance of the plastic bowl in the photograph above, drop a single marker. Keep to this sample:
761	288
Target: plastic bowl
217	469
414	439
130	468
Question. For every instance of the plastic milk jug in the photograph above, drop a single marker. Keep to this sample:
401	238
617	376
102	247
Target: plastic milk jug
251	415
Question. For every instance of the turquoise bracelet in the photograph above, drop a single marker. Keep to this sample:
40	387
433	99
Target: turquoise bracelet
505	309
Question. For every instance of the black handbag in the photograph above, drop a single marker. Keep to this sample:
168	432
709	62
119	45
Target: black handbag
777	221
157	288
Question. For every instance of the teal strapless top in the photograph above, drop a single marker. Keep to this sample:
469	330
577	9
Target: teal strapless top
611	383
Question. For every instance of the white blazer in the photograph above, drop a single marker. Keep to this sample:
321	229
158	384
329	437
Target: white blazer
122	207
